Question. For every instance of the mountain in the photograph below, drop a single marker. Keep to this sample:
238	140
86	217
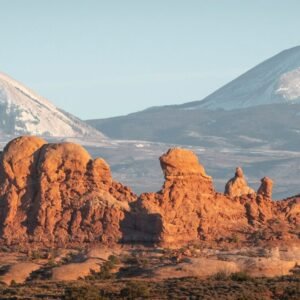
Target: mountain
24	112
276	80
261	108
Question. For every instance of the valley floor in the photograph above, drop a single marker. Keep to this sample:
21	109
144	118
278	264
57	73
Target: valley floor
139	272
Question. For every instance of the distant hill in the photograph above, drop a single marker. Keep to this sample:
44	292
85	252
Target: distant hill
276	126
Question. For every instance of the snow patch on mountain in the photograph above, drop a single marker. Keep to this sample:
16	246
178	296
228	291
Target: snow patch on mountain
289	85
22	111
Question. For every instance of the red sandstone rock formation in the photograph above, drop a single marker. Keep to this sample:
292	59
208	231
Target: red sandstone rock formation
237	186
266	188
188	209
56	194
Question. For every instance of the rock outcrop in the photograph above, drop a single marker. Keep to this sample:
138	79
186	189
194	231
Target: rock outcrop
189	209
56	194
237	186
266	188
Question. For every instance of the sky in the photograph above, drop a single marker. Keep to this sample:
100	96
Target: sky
97	59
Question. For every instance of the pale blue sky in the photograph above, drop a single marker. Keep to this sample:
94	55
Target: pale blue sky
98	58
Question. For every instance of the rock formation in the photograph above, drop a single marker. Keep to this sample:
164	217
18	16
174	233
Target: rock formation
56	194
189	209
266	188
237	186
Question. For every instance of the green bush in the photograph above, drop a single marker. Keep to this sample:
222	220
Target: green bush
83	293
114	260
105	270
234	239
240	276
135	290
221	275
36	254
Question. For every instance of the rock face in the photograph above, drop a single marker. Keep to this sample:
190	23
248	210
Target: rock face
180	162
237	186
188	208
56	194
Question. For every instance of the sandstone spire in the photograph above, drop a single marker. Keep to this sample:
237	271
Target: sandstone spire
265	189
238	186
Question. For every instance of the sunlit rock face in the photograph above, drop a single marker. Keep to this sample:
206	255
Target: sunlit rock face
238	186
57	194
188	208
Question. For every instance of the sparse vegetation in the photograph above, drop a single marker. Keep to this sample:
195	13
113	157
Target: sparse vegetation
105	270
82	293
281	288
235	238
222	275
240	276
135	289
36	254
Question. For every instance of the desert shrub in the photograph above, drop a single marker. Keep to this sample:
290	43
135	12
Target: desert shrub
13	283
103	274
4	269
4	249
114	260
234	238
83	293
105	270
258	235
51	263
71	257
36	254
291	293
221	275
144	262
131	260
240	276
135	289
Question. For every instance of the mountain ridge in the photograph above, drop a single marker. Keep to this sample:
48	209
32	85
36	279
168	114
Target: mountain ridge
23	111
270	120
278	65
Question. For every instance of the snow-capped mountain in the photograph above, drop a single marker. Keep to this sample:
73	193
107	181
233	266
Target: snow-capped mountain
24	112
261	107
276	80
